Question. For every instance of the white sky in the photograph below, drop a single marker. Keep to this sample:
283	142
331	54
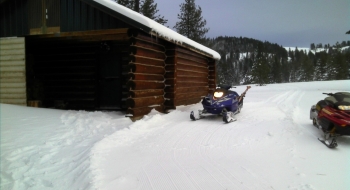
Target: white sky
285	22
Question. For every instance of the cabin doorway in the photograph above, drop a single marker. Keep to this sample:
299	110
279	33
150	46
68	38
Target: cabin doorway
73	74
110	76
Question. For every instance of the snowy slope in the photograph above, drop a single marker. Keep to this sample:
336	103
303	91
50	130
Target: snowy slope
272	145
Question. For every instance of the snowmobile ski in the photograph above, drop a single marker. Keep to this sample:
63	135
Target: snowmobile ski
331	144
228	117
193	118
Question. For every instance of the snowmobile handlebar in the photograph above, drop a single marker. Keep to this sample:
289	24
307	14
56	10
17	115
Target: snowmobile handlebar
248	87
243	94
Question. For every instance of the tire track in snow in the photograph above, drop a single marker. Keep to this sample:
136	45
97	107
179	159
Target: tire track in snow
166	161
233	179
289	104
258	174
224	130
204	144
189	140
192	139
241	173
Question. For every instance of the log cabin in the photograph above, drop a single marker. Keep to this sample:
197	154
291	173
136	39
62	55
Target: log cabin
97	55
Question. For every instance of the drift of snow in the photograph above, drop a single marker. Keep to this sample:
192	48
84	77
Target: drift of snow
157	28
272	145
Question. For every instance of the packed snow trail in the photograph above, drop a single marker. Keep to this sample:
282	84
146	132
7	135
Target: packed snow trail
272	145
268	147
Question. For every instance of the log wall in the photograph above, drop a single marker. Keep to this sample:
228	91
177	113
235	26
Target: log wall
212	75
145	74
188	77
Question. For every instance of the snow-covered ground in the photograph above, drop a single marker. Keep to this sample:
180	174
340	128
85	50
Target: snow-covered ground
272	145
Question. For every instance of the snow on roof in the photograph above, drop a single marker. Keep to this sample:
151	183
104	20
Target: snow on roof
157	28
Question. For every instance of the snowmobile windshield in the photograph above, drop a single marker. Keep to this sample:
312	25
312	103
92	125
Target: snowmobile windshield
224	86
342	100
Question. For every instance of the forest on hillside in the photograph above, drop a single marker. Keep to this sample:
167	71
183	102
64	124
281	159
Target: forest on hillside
250	61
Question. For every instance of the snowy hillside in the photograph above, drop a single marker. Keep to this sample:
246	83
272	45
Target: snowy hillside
317	50
272	145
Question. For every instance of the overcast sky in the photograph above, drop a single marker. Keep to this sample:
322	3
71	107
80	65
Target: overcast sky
290	23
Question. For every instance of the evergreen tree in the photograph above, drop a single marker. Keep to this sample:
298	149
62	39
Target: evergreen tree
321	67
260	68
285	67
347	60
146	7
307	69
341	67
191	23
260	72
276	70
312	46
149	9
127	3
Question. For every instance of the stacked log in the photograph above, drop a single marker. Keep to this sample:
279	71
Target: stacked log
212	76
170	77
145	74
190	80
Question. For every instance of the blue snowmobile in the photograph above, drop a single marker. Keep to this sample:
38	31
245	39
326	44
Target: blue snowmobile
223	102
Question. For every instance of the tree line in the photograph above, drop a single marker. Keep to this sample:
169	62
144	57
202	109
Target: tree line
249	61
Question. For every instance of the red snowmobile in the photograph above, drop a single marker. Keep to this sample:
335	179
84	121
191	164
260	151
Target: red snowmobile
332	116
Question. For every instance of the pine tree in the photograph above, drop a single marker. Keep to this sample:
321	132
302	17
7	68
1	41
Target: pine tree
260	71
307	69
146	7
276	70
321	67
312	46
149	9
191	24
347	60
341	67
127	3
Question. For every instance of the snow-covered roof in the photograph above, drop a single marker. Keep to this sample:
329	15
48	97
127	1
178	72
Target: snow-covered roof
156	28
